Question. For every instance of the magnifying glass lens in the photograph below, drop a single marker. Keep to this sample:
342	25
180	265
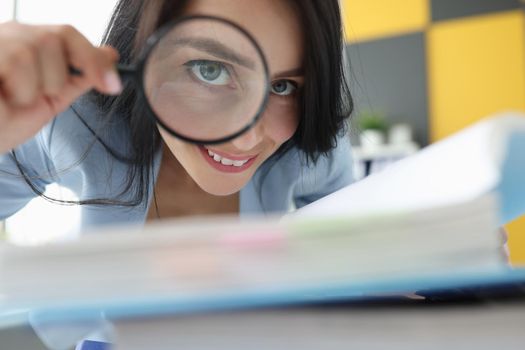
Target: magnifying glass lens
205	80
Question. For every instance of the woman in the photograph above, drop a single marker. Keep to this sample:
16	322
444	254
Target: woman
123	167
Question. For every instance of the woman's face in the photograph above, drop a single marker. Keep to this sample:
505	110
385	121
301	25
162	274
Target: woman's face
225	168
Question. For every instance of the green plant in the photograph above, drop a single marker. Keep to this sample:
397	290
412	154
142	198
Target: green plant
369	120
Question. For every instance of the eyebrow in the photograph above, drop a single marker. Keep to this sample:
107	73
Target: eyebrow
295	72
217	49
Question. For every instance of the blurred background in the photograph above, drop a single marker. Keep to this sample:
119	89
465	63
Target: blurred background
432	67
419	70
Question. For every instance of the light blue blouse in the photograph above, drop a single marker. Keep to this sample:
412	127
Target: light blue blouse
67	153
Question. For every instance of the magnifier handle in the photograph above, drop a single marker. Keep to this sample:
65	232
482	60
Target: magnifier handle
125	72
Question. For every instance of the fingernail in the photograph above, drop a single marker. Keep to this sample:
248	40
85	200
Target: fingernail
113	83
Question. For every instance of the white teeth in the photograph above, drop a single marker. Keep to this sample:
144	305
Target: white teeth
226	161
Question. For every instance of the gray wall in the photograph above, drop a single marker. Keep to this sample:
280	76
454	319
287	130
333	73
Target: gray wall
449	9
389	75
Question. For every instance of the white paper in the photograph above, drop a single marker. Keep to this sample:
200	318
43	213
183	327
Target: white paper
460	168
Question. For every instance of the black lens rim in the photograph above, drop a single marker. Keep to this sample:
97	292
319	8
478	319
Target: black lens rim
150	45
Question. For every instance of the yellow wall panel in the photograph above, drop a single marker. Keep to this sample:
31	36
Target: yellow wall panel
476	67
369	19
516	231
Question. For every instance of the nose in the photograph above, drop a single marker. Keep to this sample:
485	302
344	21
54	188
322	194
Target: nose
250	138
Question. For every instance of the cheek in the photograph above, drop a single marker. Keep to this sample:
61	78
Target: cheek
281	121
181	150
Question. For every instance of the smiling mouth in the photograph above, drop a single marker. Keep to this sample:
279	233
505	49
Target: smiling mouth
227	164
226	161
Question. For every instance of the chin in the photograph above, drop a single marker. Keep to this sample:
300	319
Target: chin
221	188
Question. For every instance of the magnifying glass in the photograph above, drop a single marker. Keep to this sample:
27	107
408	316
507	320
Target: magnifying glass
205	79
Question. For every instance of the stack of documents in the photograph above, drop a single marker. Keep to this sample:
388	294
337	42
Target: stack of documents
221	257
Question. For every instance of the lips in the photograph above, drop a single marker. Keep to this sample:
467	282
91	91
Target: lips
226	162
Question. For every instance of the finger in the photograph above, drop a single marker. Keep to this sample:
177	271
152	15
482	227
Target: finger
96	64
5	141
112	78
52	63
20	76
4	114
111	53
73	89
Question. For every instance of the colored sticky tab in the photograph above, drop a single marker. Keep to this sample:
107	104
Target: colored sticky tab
256	239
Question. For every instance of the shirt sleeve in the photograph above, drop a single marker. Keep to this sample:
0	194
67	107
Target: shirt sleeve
331	173
15	189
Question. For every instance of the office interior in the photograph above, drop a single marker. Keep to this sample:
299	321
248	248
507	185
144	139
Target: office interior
435	66
438	65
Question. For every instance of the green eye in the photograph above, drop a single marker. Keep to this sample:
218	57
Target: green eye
210	72
283	87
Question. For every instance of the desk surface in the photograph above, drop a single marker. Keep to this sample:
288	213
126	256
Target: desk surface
394	325
448	326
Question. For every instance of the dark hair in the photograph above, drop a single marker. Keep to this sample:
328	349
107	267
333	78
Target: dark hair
324	100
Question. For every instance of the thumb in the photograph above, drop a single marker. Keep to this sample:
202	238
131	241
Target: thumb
112	82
